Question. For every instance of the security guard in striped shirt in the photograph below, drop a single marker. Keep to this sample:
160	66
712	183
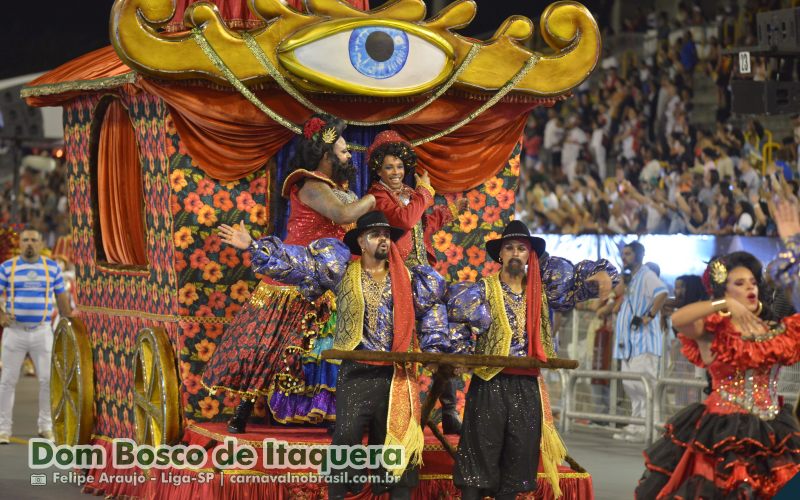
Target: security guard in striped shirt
31	286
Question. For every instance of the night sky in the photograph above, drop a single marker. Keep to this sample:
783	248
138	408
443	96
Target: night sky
40	35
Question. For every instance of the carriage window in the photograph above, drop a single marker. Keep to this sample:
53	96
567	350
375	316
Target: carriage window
117	187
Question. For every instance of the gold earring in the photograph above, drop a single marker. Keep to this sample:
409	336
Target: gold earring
760	307
500	260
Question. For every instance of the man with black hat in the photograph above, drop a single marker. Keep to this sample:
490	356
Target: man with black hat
382	306
506	416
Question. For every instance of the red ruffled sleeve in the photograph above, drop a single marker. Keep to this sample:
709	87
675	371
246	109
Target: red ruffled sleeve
731	349
691	350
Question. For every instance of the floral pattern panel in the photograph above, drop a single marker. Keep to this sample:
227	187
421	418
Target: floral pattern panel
116	303
214	279
459	247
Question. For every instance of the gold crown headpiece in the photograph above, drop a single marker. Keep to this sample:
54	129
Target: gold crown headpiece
329	135
719	273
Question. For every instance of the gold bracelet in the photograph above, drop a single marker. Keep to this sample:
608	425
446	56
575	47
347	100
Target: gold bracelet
723	310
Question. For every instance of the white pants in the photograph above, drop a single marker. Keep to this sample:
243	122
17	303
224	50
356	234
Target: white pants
17	342
648	365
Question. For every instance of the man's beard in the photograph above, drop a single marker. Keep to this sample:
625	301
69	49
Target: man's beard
515	267
29	252
343	171
381	254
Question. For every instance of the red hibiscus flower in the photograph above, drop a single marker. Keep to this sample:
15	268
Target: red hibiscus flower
244	202
491	214
228	257
193	203
505	199
222	200
198	259
476	256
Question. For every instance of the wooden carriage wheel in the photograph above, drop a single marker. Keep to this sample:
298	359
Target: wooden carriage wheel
155	390
72	383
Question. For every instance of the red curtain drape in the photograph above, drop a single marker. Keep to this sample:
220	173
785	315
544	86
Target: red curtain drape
229	137
119	189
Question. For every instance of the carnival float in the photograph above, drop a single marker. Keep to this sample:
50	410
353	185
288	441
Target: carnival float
187	122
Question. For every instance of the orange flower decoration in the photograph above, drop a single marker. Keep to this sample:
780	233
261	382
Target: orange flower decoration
476	256
513	165
229	257
188	294
205	187
212	272
205	349
258	186
177	180
216	300
490	268
231	310
454	254
476	199
213	330
492	236
212	243
505	199
206	216
468	221
192	384
173	204
494	186
222	200
183	238
244	202
442	266
209	407
258	215
491	214
180	262
192	203
442	241
198	259
189	330
240	291
467	274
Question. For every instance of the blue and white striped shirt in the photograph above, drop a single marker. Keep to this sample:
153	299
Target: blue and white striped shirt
640	294
27	289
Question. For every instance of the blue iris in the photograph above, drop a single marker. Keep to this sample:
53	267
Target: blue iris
377	51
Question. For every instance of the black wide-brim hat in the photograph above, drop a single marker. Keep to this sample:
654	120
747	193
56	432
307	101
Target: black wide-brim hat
367	221
518	231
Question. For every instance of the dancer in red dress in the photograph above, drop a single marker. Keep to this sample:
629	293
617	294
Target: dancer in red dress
739	443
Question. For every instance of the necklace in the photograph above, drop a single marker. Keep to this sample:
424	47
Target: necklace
373	293
518	306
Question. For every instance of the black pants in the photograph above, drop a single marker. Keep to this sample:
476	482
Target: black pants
500	436
448	397
362	399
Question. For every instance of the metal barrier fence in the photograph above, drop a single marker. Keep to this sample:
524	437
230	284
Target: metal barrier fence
577	401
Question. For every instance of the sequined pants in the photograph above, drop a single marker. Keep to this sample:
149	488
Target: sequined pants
500	436
362	399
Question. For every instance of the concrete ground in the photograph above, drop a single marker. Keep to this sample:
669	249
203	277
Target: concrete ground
615	466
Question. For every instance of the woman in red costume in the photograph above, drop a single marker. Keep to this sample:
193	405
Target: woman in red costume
390	159
277	328
739	443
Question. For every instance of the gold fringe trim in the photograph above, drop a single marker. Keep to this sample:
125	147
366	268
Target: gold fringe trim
553	451
156	317
63	87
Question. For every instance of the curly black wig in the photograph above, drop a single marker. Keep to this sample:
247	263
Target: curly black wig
400	150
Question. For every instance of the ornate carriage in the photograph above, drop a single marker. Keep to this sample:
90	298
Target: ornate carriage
187	122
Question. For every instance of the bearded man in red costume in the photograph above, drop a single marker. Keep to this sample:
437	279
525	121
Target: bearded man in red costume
278	328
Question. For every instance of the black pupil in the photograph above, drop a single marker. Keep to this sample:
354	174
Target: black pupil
380	46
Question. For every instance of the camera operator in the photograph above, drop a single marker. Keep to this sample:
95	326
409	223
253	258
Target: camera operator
638	331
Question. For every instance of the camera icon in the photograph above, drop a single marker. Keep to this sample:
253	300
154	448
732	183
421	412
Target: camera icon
38	480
